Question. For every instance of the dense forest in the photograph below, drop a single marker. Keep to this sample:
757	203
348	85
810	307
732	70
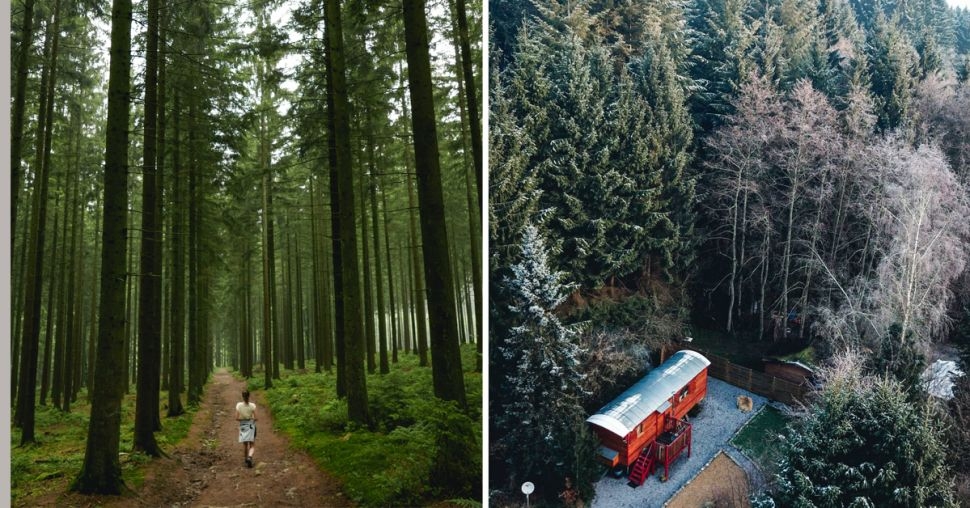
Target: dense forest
279	187
773	175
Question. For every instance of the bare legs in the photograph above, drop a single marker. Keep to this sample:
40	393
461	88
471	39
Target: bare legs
249	447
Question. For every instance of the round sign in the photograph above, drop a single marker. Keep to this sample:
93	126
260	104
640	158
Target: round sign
528	488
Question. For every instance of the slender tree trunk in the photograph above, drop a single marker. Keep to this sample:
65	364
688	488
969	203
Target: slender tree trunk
269	277
287	336
390	276
45	374
471	97
163	13
335	229
470	116
786	257
60	259
328	317
95	299
17	117
61	305
247	366
317	288
77	337
176	371
194	391
353	334
742	253
418	304
101	472
379	272
27	383
129	304
734	253
150	294
71	342
764	281
449	383
18	310
416	307
300	335
370	333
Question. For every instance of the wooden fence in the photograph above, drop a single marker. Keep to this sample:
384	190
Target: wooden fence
766	385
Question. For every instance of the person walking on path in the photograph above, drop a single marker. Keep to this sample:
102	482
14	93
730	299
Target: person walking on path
246	415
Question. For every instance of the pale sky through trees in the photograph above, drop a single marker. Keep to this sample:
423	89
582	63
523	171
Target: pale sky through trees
959	3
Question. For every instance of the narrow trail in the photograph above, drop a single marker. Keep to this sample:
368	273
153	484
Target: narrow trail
212	459
207	468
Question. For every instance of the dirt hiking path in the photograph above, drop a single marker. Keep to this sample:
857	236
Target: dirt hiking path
207	468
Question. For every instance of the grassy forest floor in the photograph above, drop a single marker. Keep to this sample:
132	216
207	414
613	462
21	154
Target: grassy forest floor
394	462
50	465
302	430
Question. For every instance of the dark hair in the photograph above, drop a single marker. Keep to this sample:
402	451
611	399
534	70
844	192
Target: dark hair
246	396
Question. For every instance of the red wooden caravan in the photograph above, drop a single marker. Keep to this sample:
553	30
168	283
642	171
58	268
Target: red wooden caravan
645	425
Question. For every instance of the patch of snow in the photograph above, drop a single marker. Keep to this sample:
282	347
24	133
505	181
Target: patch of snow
938	378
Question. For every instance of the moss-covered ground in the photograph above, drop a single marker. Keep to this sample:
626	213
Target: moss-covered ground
51	464
416	451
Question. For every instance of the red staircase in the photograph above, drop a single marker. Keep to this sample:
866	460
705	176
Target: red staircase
643	467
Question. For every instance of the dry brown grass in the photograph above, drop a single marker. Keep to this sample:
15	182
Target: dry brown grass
722	484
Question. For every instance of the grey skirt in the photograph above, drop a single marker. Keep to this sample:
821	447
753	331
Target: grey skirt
247	431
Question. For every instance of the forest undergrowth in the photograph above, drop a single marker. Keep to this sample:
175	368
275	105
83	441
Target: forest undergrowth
51	464
413	439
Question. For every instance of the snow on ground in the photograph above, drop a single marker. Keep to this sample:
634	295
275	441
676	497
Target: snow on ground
713	427
939	377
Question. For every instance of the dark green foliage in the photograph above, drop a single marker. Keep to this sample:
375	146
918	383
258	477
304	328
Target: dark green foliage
864	444
456	469
891	70
961	27
666	139
645	316
840	54
958	430
513	197
607	145
415	436
720	61
900	358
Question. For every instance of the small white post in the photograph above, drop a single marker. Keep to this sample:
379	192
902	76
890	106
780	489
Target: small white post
527	488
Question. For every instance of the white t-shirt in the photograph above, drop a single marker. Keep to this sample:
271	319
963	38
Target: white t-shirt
246	410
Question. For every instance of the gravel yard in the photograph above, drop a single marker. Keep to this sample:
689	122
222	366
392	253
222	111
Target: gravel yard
713	427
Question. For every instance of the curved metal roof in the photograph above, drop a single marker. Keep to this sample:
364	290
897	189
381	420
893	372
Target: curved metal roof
634	405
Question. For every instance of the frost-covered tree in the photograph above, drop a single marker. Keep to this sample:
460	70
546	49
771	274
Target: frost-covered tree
538	421
864	444
940	116
735	174
924	212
